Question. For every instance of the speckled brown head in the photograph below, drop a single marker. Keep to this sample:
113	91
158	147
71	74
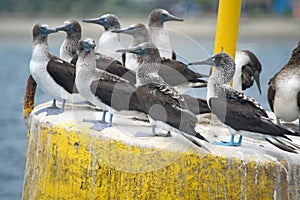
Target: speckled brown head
158	16
41	31
70	27
108	21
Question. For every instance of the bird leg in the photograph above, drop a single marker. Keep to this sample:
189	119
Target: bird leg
99	125
231	143
298	130
53	109
278	121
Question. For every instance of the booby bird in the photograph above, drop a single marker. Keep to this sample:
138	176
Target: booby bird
53	75
109	42
111	92
70	44
158	35
173	72
140	34
247	70
242	114
98	86
165	107
284	90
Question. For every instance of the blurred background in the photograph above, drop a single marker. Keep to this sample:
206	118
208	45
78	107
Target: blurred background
269	28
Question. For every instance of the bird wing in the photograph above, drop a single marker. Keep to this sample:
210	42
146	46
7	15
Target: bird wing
233	94
175	72
63	74
247	77
254	62
115	67
117	94
196	105
243	115
160	105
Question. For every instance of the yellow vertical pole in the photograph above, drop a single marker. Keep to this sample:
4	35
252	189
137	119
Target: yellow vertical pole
227	26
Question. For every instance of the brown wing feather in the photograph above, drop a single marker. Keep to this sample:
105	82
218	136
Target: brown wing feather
63	74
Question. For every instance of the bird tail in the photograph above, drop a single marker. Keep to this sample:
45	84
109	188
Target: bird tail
286	131
200	84
284	144
196	142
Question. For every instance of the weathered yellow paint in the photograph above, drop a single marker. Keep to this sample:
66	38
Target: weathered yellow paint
67	161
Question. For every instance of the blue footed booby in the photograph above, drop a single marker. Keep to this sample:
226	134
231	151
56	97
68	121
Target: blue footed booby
158	35
109	42
70	44
173	72
114	93
284	90
140	34
165	107
242	114
53	75
247	70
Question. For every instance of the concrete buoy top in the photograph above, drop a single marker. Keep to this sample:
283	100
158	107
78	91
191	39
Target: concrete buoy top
67	160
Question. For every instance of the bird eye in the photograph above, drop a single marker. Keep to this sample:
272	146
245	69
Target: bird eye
164	15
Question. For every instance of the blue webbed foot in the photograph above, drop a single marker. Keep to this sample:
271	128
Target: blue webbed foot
231	143
53	109
99	125
223	143
42	110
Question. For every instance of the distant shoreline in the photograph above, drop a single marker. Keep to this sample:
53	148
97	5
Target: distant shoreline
274	27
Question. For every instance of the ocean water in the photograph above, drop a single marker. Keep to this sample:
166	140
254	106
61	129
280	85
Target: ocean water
15	56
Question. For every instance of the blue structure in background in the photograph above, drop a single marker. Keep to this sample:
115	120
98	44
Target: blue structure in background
282	7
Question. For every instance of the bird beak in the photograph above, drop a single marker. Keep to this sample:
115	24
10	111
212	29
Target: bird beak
135	50
62	28
208	61
94	21
257	81
50	30
170	17
129	30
